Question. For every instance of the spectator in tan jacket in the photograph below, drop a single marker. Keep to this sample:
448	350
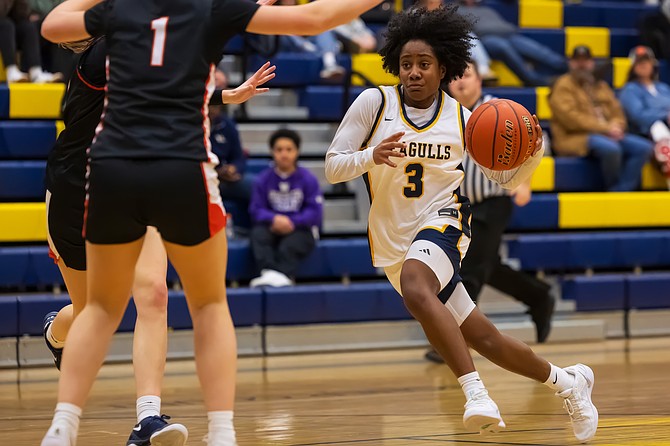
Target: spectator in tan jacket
588	120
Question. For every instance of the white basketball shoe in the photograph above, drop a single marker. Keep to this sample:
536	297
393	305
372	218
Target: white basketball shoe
578	404
482	414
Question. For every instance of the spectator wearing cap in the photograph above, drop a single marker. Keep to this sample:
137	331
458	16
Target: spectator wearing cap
587	120
646	102
644	99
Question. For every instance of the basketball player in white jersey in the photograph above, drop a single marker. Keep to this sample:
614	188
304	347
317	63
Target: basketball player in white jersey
407	142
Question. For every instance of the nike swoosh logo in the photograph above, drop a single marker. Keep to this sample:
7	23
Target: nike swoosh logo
388	119
137	428
556	379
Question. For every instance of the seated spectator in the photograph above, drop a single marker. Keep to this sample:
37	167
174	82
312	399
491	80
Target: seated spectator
286	210
54	58
646	102
477	53
503	42
644	98
588	120
654	30
324	45
356	37
16	31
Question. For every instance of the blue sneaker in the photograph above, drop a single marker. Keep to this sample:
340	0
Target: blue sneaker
156	431
56	352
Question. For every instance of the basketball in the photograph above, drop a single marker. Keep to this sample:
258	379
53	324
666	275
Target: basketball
500	134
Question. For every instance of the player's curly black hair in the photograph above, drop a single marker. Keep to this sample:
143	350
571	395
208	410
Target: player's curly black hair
444	29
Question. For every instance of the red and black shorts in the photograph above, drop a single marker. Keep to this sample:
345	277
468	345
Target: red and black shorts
180	197
65	221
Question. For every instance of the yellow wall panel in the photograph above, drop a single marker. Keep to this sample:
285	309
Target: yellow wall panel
35	100
613	210
370	65
541	14
2	71
506	78
598	39
652	178
542	109
23	222
620	67
543	178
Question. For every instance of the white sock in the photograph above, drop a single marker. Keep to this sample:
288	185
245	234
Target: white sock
55	343
329	60
221	426
66	417
148	406
559	380
471	384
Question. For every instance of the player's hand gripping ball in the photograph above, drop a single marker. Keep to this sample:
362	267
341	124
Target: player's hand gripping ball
501	135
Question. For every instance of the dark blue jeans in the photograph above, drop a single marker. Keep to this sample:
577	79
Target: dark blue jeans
621	161
516	49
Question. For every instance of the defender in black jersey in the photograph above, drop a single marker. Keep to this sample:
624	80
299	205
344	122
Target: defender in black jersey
66	179
151	166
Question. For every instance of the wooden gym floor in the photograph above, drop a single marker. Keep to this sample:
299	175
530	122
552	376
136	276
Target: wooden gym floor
390	398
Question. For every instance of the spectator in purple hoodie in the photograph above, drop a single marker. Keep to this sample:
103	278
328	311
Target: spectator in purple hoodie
286	211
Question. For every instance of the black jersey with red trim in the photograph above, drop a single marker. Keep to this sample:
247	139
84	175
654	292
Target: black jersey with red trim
160	66
83	104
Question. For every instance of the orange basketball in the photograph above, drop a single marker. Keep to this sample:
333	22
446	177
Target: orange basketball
500	134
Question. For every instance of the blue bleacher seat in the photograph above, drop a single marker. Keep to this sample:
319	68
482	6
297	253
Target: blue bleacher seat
333	303
349	257
649	291
325	102
257	165
540	213
22	180
524	96
33	308
46	272
552	38
572	251
605	14
293	69
26	139
592	250
4	101
9	316
532	251
241	265
577	174
14	266
245	307
596	293
622	40
643	249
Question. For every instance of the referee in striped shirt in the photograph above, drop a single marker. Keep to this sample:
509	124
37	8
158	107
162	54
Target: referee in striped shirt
492	208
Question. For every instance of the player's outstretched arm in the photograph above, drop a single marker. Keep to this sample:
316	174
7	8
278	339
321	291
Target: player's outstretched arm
310	19
249	88
511	179
65	23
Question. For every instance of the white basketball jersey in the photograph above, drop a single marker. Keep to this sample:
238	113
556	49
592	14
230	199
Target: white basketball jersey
422	191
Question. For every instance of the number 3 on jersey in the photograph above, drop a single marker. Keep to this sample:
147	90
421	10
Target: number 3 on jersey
414	188
159	27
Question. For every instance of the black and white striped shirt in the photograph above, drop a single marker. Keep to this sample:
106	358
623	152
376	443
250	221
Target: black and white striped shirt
475	185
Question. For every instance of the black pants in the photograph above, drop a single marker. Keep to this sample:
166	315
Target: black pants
482	263
16	32
281	253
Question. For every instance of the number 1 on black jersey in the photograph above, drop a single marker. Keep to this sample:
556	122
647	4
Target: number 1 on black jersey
159	27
